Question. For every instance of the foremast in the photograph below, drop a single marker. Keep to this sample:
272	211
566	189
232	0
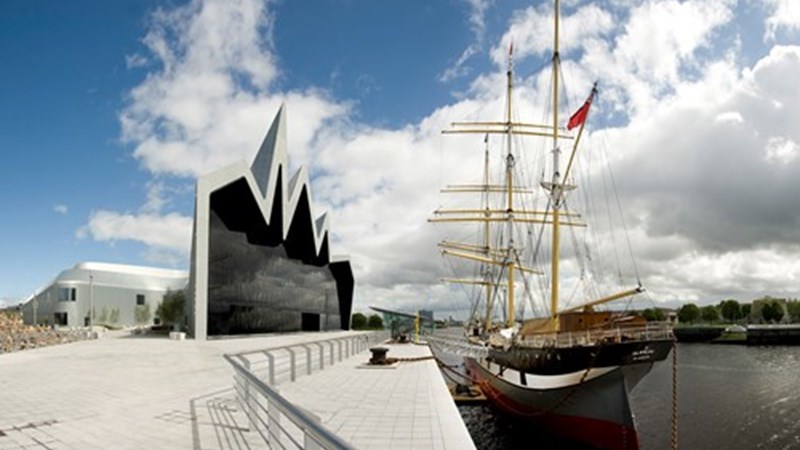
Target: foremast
556	185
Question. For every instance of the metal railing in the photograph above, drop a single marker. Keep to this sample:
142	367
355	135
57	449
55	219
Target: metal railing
458	345
651	331
287	363
278	422
461	346
265	408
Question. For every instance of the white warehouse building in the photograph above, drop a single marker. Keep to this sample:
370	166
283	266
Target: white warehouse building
121	295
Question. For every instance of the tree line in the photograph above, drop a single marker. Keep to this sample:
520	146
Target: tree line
362	322
764	310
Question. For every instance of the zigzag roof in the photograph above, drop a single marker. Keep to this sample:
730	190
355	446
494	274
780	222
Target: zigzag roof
268	169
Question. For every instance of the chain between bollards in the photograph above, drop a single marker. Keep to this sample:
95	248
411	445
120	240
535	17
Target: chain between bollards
674	395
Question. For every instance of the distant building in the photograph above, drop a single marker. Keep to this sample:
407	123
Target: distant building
402	324
115	291
260	257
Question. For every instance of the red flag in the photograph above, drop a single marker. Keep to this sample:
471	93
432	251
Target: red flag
579	117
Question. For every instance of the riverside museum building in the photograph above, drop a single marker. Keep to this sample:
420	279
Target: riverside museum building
260	262
260	257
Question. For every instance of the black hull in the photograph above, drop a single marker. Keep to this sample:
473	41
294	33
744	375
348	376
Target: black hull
561	360
589	405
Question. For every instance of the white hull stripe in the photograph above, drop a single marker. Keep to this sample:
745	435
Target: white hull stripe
539	382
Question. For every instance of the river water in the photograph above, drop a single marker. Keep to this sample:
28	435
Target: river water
730	397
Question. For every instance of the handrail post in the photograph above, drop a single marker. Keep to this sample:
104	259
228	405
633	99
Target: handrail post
253	422
271	359
321	355
274	420
308	359
292	367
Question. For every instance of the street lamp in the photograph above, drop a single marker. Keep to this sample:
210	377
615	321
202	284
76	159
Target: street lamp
91	301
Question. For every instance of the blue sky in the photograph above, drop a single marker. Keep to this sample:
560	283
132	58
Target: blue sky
102	134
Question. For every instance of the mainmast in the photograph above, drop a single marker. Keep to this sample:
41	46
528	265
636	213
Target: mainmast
511	253
556	190
558	187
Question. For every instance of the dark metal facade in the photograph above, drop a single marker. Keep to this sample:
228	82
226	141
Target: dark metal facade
260	282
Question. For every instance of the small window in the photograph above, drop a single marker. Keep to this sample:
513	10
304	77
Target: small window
60	318
67	294
140	299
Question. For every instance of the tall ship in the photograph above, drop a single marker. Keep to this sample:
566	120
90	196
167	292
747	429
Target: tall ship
571	366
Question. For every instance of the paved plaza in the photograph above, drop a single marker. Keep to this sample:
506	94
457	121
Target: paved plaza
127	392
131	392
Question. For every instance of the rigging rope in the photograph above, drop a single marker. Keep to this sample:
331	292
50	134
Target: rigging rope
622	216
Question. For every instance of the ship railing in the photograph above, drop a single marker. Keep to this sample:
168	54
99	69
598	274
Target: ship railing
278	422
651	331
458	345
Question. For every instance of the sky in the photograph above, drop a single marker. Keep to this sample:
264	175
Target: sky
111	110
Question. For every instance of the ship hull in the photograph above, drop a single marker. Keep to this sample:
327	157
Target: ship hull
590	406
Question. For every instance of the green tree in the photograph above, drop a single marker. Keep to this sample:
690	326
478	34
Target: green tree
731	310
689	313
375	322
772	311
653	315
746	309
171	308
793	309
709	313
359	321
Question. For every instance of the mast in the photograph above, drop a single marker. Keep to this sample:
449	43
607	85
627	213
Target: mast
556	191
487	236
510	187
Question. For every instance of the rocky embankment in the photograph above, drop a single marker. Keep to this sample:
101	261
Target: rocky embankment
14	335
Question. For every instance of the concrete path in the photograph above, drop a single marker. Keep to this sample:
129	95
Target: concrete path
406	406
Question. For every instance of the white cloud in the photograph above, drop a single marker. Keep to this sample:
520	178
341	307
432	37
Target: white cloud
531	31
477	21
781	150
730	117
61	209
210	99
135	61
170	232
783	14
